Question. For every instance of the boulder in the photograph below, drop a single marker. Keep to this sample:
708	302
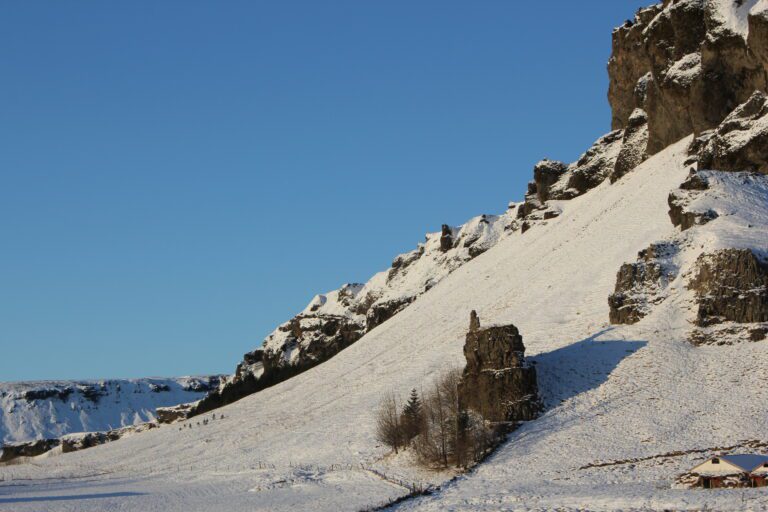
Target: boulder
380	312
545	174
595	165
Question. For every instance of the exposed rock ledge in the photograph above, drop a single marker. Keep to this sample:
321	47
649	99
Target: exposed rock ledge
731	285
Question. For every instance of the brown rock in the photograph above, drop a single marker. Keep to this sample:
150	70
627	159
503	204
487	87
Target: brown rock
497	381
731	285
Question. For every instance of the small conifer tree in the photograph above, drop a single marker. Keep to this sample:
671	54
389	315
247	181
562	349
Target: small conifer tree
413	416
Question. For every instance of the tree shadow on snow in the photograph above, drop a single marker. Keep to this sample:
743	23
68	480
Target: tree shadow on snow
69	497
581	366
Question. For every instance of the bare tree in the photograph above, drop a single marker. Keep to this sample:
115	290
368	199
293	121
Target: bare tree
437	440
388	426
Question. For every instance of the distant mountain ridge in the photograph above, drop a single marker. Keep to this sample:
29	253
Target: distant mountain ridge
51	409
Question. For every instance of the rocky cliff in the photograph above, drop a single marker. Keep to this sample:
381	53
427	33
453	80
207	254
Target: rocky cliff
687	64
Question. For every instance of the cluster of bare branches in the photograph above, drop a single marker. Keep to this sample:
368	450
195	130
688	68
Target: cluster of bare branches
435	426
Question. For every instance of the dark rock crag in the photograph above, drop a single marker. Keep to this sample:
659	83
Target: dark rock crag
731	285
498	382
30	449
740	142
641	285
679	200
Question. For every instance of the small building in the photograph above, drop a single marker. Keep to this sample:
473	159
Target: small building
740	470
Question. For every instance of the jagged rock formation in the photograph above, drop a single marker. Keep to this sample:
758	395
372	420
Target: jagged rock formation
739	143
731	285
687	63
335	320
498	382
633	145
642	284
680	211
556	181
26	408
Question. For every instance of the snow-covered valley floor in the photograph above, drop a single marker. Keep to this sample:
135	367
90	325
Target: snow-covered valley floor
613	393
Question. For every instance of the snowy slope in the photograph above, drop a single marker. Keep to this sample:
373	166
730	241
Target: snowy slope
631	391
50	409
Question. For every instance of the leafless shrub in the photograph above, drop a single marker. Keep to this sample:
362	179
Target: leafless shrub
388	427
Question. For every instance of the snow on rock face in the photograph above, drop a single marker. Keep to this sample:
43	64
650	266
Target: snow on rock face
739	143
721	251
687	64
733	15
51	409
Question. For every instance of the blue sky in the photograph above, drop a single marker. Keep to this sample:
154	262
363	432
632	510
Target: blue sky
177	178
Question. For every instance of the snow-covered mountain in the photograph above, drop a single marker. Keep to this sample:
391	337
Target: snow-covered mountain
637	276
51	409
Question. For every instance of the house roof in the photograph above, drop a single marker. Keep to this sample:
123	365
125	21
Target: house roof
747	461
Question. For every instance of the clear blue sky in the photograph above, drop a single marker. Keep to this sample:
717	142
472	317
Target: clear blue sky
179	177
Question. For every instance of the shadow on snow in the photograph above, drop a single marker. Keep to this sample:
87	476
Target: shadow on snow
70	497
581	366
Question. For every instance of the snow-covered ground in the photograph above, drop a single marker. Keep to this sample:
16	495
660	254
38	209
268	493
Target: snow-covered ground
50	409
613	393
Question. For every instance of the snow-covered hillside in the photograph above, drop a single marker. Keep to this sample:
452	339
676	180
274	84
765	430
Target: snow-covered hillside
50	409
673	249
613	392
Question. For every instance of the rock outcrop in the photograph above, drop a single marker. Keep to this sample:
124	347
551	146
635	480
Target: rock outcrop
641	285
498	382
556	181
729	333
730	285
687	64
680	211
634	145
740	142
28	449
70	442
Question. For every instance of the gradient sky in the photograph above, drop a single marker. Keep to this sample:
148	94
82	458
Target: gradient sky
179	177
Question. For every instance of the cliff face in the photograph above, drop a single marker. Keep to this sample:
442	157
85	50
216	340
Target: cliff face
687	64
